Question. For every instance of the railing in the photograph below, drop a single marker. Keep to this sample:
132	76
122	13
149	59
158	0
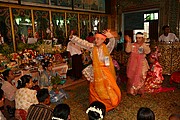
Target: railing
170	57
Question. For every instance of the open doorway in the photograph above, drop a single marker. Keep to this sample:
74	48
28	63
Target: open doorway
141	21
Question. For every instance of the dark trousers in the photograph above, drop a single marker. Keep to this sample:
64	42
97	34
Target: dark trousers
77	66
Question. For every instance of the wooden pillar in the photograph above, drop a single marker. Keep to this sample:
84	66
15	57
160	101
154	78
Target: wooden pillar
174	16
163	14
12	28
33	25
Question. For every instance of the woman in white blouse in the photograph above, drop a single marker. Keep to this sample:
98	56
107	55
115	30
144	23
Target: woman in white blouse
25	97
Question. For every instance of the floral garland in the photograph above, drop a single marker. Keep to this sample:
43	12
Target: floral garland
94	109
55	118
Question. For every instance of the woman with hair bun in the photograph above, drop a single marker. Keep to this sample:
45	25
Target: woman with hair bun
25	96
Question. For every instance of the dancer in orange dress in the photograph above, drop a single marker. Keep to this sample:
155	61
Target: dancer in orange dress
101	74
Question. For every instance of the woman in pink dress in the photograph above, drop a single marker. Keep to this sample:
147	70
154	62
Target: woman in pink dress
137	64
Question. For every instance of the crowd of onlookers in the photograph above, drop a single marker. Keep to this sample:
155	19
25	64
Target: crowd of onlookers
42	111
24	103
19	101
24	99
36	111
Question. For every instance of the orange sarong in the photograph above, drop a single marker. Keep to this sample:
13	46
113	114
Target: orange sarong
104	87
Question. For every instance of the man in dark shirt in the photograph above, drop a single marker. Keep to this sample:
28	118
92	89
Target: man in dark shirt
41	111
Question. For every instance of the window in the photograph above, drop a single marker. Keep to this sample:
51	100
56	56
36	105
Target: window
151	16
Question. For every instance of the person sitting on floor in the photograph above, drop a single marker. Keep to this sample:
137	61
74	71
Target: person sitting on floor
44	111
52	78
174	117
1	104
145	113
96	111
61	112
24	97
47	74
9	92
57	94
154	76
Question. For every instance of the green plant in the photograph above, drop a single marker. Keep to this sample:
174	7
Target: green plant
56	80
6	50
21	46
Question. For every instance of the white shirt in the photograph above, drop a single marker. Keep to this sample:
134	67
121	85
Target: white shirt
73	49
170	38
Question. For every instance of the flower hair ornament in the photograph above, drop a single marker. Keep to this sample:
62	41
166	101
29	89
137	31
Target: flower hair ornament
95	110
55	118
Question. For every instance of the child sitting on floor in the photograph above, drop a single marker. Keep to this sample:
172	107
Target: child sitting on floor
56	94
174	117
145	113
52	78
96	111
2	104
61	112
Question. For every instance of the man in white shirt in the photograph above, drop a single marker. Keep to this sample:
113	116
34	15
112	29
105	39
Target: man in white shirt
76	54
167	36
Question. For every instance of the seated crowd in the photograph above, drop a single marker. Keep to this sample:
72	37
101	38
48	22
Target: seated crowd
25	102
20	100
